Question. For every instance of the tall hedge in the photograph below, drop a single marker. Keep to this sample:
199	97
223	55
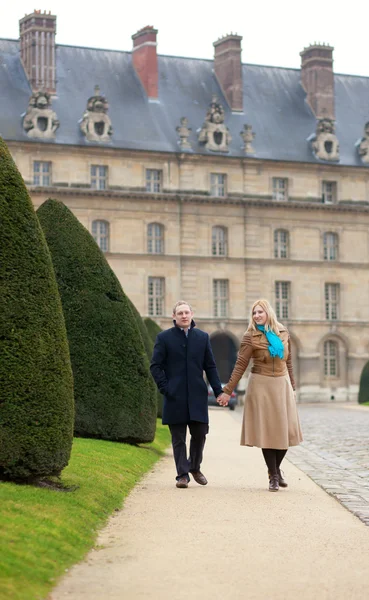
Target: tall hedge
36	384
364	385
113	390
153	329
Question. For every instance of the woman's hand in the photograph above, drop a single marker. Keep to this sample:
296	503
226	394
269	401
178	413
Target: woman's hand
223	399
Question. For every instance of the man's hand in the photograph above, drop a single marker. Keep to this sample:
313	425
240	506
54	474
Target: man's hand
223	399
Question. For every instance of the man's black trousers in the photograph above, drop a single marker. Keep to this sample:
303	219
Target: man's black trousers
198	433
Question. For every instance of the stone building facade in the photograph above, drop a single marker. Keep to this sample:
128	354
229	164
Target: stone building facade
216	182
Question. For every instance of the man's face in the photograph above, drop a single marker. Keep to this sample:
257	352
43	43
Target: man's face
183	316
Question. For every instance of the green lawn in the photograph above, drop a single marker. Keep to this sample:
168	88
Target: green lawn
43	532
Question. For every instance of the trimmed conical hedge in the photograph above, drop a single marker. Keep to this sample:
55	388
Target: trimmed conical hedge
153	329
113	390
148	344
364	385
36	384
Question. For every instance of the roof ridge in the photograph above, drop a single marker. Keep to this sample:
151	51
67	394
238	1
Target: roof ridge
197	58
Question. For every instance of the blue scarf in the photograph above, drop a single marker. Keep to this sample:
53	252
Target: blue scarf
276	347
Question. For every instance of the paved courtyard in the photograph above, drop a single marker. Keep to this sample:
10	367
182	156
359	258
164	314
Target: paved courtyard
335	453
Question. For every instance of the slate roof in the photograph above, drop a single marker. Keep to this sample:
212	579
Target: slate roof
274	104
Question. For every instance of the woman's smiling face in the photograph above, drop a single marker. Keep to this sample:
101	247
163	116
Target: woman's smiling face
259	315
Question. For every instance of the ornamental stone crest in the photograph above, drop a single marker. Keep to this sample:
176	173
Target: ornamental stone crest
184	132
363	145
214	134
96	124
40	121
325	143
247	135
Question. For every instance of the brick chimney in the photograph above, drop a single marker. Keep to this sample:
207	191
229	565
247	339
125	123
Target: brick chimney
37	47
145	59
318	80
228	69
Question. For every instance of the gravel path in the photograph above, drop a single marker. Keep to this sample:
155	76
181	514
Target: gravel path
229	540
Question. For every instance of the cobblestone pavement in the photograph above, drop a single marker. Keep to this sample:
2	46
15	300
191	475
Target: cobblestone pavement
335	453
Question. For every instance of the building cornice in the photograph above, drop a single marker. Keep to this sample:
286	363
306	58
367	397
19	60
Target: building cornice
182	197
240	259
183	157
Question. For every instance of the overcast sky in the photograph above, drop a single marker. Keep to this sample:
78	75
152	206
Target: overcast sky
274	32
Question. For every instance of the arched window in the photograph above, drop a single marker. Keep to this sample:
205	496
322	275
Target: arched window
100	233
155	238
330	246
331	362
281	243
219	241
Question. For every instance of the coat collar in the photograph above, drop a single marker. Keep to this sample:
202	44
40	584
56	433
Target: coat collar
281	329
192	325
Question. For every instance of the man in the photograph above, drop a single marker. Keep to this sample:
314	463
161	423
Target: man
181	355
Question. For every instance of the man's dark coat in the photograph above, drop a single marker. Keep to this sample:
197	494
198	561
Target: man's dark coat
177	365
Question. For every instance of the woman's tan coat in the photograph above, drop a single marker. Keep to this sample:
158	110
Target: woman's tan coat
255	345
270	417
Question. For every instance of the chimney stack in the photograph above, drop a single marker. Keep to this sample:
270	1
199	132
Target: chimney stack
318	80
228	69
37	47
145	60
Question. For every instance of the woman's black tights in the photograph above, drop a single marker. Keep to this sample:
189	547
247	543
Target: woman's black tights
273	459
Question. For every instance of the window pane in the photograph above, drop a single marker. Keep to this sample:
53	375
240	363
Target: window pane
331	359
282	295
42	173
330	246
155	238
100	233
99	177
220	297
281	238
219	241
153	180
218	184
279	188
156	296
331	301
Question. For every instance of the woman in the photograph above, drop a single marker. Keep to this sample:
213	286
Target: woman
270	419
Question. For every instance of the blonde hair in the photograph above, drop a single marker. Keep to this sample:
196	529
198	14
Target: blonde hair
271	322
179	303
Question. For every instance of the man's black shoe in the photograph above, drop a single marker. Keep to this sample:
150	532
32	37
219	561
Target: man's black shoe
199	477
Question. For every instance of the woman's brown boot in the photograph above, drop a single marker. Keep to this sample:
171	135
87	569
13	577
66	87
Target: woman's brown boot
274	483
282	482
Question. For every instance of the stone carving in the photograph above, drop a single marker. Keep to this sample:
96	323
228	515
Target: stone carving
96	124
184	133
363	145
325	143
214	133
40	121
247	135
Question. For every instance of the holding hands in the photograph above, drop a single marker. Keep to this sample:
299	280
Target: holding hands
223	399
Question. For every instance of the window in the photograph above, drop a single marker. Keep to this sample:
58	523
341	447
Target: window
282	299
281	243
330	246
99	177
331	301
41	173
156	296
330	359
155	238
218	184
100	233
220	294
219	241
154	179
280	188
329	192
